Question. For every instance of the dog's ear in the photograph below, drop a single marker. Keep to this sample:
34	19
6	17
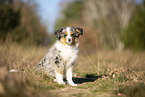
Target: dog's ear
58	32
78	30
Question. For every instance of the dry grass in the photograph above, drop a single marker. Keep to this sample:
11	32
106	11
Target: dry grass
98	73
25	82
117	73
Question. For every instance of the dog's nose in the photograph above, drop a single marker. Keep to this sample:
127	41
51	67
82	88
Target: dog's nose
69	39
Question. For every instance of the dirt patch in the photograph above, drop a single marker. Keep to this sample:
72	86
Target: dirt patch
70	92
75	92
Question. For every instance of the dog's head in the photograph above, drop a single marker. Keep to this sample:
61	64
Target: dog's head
69	35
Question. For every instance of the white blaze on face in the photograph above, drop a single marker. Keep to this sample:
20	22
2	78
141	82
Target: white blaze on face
69	37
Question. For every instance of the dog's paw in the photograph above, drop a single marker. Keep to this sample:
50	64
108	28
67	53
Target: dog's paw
61	83
73	84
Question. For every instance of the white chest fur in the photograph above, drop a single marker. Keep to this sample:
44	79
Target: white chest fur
68	53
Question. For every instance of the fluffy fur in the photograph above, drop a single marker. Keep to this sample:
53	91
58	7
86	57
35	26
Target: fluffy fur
60	59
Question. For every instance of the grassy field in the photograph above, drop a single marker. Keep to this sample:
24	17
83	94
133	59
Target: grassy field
100	73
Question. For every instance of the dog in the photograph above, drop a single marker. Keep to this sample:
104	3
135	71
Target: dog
60	59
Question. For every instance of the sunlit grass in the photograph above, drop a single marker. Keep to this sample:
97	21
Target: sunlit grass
97	73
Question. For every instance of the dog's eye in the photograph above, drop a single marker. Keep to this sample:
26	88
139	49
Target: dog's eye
65	35
72	35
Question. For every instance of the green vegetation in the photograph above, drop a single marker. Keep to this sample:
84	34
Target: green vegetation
134	35
9	18
19	23
71	14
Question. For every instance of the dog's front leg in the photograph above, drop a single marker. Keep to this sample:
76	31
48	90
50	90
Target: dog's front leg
69	74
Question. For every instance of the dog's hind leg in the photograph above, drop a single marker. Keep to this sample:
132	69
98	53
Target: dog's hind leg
59	73
59	78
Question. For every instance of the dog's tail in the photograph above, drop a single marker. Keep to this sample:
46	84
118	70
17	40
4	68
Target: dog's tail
13	70
39	66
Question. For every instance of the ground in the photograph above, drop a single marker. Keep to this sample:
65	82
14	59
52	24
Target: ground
100	73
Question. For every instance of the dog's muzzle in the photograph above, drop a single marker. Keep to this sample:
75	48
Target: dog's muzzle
69	41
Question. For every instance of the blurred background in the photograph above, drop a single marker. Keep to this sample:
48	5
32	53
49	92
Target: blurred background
114	24
111	60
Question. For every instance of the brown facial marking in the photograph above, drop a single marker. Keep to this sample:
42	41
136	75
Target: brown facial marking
63	40
71	33
74	40
66	33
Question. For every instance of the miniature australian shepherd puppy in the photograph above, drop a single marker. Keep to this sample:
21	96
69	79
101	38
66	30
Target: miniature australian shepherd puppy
60	59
